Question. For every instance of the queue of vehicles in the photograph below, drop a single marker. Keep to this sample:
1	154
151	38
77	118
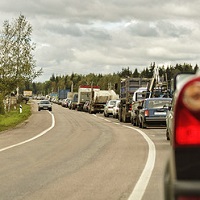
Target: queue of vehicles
153	105
142	101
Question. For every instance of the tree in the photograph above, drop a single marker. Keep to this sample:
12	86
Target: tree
17	65
136	73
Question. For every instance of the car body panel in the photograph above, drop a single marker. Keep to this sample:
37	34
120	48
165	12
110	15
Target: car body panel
108	108
116	109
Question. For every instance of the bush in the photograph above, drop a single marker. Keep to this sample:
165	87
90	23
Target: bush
2	111
14	117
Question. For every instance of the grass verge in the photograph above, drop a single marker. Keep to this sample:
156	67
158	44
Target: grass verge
14	117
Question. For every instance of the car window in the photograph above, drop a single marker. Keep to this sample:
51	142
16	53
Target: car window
158	103
118	103
44	102
112	103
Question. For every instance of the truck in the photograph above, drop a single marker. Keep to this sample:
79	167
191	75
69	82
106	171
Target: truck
99	98
62	94
26	95
84	93
73	100
128	87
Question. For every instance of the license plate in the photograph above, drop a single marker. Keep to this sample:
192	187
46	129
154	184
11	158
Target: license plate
160	113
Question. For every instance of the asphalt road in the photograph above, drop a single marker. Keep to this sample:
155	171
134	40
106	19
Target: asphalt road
74	155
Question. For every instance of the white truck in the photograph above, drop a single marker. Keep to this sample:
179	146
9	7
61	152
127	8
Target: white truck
84	93
99	99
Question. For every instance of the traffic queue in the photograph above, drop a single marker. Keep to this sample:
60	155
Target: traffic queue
177	111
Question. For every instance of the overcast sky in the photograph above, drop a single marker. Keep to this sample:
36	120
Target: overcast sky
104	36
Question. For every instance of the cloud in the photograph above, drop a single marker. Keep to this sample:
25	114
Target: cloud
104	36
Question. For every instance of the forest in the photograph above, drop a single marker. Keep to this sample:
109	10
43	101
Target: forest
106	81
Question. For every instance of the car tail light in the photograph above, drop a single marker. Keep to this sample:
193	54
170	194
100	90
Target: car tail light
187	115
130	107
187	198
146	113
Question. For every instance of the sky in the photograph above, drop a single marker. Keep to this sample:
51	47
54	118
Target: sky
105	36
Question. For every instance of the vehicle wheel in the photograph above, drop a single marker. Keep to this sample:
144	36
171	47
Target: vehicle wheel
38	109
167	134
167	181
143	124
134	122
120	118
50	109
105	115
140	124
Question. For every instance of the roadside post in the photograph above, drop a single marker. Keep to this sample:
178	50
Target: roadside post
20	108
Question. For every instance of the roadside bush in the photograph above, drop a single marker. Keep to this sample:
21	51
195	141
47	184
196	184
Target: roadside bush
14	117
2	111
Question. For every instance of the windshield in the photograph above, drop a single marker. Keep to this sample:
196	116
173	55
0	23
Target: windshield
44	102
158	103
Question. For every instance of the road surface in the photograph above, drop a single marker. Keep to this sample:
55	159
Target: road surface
66	154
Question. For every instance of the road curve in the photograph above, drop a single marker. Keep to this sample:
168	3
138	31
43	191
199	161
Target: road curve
81	157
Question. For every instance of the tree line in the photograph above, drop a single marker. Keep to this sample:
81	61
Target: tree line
106	81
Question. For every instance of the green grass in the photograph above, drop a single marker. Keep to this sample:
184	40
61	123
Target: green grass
14	117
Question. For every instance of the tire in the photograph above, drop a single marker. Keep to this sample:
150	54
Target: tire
167	135
143	124
105	115
167	181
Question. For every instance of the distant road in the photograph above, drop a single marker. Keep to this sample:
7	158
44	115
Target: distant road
80	157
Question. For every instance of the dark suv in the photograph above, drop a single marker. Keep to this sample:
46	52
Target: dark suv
153	112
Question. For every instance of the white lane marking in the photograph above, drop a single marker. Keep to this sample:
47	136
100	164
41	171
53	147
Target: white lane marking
143	181
33	138
107	120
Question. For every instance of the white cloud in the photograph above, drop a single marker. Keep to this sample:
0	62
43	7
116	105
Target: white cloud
103	36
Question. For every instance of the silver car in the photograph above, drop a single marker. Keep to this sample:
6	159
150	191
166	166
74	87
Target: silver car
108	109
44	105
116	109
